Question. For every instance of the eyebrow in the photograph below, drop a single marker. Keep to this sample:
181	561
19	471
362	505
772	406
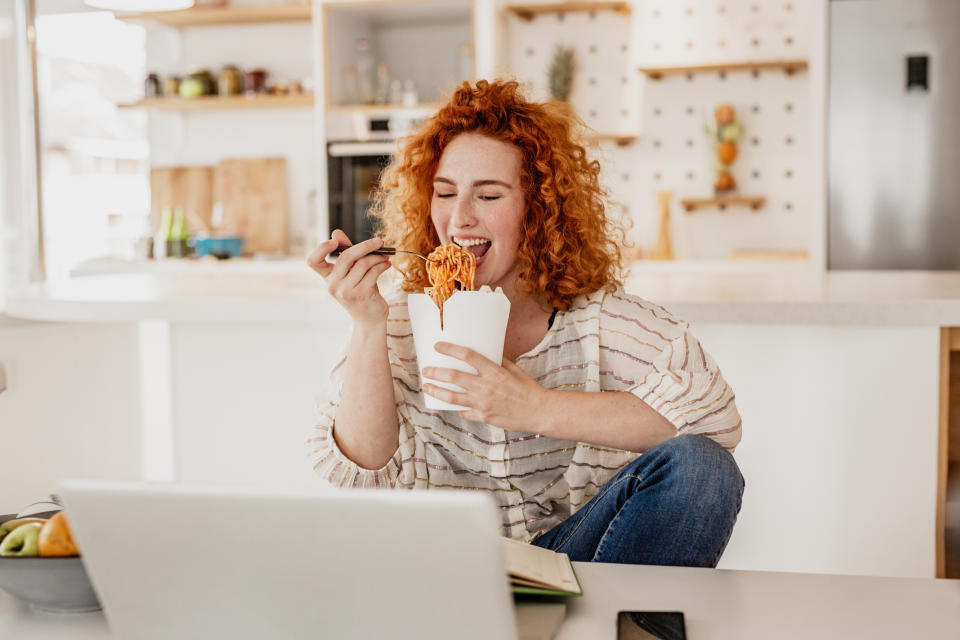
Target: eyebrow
476	183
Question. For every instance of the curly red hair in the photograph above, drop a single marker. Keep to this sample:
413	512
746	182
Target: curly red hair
568	246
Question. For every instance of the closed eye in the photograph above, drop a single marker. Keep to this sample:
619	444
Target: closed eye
489	198
445	195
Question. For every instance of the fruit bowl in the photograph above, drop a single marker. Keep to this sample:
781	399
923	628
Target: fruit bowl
50	584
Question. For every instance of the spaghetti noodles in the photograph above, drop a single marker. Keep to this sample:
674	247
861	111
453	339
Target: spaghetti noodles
447	265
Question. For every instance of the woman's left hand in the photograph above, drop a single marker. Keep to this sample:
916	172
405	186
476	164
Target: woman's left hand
500	395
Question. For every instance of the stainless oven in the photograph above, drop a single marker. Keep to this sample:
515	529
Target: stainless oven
359	146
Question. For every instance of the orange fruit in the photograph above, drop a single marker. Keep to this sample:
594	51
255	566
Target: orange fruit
56	539
724	114
724	182
726	152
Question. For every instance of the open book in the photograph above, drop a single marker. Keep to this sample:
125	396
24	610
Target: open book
539	571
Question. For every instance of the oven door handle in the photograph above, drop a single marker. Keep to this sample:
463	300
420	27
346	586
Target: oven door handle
344	149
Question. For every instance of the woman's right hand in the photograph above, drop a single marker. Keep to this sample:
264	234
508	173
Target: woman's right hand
352	279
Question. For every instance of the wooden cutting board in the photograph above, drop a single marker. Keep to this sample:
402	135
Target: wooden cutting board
253	193
187	187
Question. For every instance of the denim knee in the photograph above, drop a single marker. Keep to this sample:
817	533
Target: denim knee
702	468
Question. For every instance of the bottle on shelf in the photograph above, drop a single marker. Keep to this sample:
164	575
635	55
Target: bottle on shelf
351	93
365	71
163	232
410	97
383	84
177	237
396	92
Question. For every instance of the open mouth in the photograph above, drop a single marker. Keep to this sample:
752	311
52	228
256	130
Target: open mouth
477	246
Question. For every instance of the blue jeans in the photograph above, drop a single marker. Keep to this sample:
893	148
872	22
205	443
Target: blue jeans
674	505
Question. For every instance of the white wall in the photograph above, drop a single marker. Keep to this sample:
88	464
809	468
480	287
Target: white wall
839	447
71	408
244	399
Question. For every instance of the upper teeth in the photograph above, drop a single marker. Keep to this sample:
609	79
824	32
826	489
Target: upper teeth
471	242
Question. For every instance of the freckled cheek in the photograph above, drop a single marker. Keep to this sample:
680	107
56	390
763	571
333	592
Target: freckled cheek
506	230
440	220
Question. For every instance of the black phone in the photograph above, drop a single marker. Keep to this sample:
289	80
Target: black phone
651	625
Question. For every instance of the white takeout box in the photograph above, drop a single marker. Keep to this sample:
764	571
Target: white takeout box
473	319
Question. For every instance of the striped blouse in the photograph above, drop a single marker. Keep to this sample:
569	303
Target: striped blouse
607	341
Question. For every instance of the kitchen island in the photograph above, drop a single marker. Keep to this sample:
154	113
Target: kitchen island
838	380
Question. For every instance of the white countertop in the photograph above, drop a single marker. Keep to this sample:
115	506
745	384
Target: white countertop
289	292
716	604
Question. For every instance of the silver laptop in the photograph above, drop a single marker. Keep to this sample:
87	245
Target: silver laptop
175	561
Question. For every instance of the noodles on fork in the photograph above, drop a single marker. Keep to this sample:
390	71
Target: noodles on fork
447	265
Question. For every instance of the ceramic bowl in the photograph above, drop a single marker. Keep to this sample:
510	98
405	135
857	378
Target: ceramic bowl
50	584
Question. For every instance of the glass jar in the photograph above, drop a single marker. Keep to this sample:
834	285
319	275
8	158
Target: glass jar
151	86
171	86
230	81
255	81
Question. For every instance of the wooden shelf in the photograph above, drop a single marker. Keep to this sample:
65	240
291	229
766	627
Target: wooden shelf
529	11
788	66
366	108
201	16
691	204
768	255
214	103
621	140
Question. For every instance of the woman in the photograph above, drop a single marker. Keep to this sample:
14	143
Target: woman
505	177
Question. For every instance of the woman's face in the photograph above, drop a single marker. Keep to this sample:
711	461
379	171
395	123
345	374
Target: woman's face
478	203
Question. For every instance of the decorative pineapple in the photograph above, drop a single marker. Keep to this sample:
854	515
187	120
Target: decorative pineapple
726	134
560	74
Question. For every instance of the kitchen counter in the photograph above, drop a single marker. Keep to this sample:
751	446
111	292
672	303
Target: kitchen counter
288	292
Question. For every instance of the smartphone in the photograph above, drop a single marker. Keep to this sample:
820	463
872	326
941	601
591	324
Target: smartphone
651	625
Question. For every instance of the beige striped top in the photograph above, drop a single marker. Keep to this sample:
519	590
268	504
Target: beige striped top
607	341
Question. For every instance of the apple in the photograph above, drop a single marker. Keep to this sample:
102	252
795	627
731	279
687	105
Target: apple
9	525
191	88
22	541
56	539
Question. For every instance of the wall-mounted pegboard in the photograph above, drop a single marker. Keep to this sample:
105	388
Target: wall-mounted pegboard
605	92
614	91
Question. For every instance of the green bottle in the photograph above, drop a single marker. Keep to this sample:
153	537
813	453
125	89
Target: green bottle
177	239
161	246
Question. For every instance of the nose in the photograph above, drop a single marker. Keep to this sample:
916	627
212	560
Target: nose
463	215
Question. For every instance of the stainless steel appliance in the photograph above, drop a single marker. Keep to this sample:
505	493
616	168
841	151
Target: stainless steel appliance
894	134
359	145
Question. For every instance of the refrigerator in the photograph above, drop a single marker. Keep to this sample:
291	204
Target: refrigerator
893	134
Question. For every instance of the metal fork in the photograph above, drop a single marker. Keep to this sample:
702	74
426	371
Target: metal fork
384	251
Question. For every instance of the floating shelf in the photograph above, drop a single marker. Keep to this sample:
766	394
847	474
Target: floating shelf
788	66
621	140
201	16
364	108
769	254
214	103
529	11
690	204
